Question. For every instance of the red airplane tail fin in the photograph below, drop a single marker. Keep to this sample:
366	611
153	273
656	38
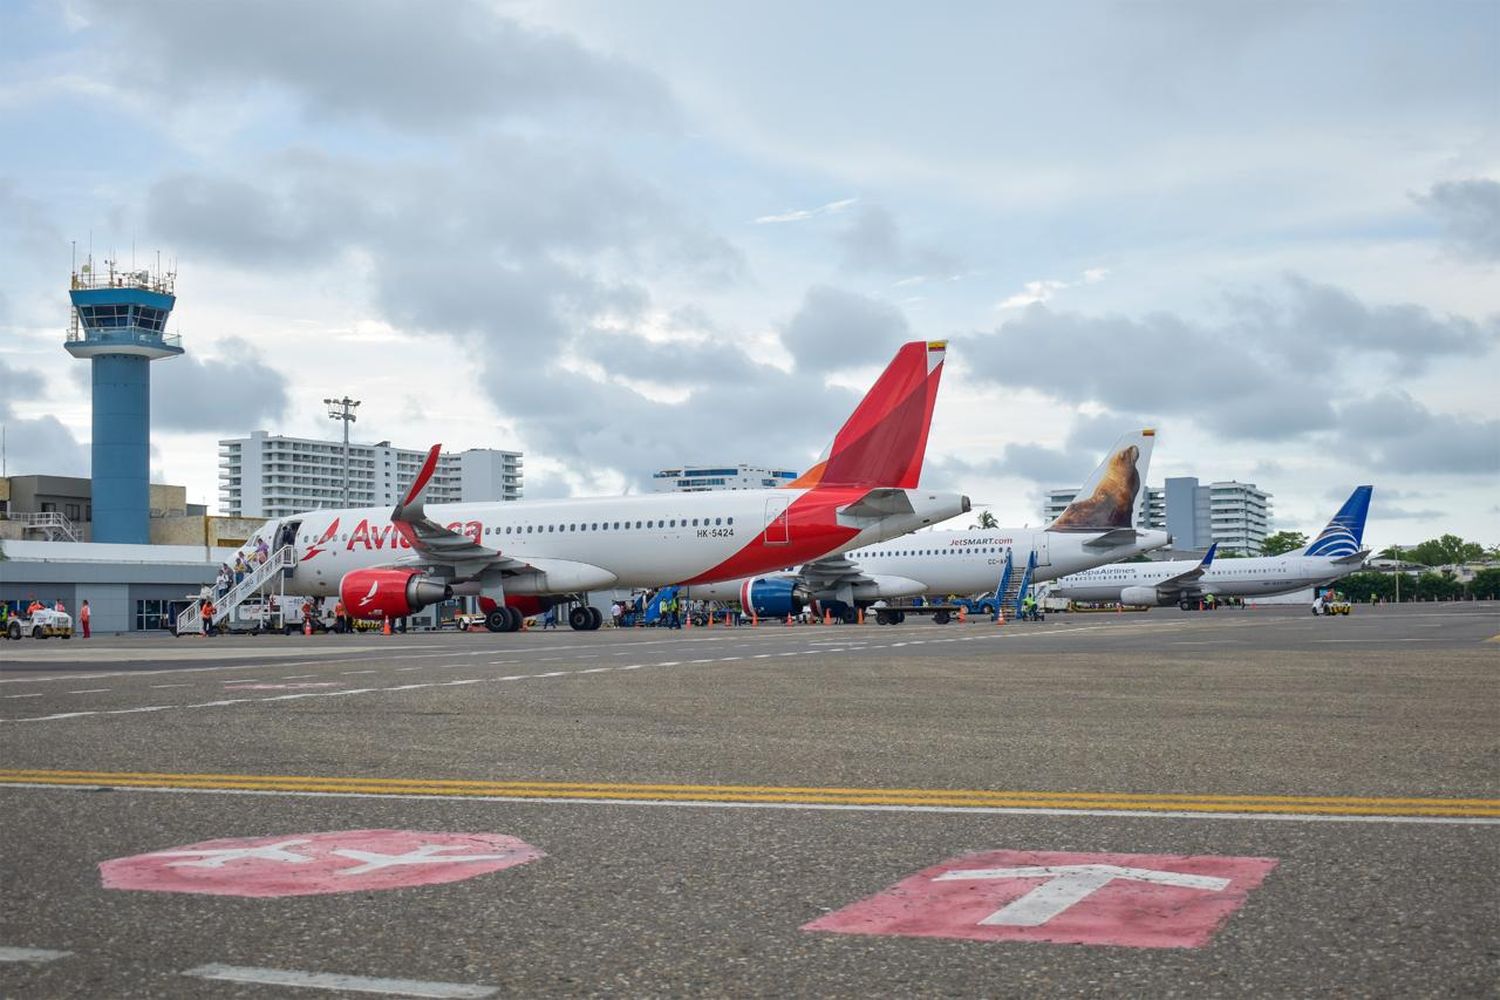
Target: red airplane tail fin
884	441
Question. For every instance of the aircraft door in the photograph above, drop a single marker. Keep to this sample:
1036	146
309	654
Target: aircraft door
1039	545
778	530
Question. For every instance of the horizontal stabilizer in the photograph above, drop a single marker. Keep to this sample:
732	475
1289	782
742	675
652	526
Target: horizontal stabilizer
876	504
1113	538
1353	559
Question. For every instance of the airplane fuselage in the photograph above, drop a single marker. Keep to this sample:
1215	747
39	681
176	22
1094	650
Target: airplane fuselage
584	544
1260	576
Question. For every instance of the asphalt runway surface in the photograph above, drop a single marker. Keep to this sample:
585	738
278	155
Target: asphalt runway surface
1162	804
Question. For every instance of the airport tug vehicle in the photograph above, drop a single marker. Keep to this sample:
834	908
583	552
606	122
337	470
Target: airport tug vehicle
41	624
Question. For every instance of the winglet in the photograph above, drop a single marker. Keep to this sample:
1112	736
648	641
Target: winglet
883	442
1208	557
408	505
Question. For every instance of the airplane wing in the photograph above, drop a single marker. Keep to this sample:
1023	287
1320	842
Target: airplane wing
1181	580
831	572
434	544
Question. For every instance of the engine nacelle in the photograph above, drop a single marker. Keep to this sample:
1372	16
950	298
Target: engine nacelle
1140	595
390	593
773	597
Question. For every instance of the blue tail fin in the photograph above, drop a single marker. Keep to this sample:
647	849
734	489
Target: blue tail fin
1346	532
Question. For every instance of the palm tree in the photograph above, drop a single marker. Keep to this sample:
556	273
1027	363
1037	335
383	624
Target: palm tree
986	520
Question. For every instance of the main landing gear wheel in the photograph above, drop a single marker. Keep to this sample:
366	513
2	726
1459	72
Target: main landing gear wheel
503	619
581	618
851	616
596	618
941	617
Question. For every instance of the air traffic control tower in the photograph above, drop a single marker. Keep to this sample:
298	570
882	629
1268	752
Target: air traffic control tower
119	323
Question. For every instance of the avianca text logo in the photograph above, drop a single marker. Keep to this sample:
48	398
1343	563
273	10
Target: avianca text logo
317	547
386	536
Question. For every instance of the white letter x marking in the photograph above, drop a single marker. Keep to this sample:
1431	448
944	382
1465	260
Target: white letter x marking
424	855
1068	885
222	856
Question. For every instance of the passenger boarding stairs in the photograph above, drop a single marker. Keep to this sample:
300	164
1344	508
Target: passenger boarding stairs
257	581
1013	587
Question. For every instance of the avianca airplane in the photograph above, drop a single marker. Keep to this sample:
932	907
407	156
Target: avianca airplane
1334	553
1094	529
521	557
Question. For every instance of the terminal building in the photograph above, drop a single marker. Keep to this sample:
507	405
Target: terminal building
698	478
270	475
1235	515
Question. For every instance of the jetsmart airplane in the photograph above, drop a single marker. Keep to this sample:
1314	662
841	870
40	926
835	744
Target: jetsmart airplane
521	557
1334	553
1094	529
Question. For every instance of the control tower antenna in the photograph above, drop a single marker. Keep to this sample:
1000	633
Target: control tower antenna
118	323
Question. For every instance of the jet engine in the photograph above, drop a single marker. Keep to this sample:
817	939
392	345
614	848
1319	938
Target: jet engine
773	597
1141	595
390	593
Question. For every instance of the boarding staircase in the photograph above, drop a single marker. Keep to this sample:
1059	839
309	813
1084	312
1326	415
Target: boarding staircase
1013	586
257	581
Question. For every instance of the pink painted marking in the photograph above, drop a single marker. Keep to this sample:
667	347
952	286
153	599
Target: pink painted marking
1130	900
310	864
281	687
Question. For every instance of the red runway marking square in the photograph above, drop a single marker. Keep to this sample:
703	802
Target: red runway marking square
1130	900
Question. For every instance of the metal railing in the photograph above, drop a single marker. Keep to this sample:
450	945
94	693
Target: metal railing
51	523
190	619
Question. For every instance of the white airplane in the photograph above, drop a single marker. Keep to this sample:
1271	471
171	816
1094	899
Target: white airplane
1334	553
1094	529
521	557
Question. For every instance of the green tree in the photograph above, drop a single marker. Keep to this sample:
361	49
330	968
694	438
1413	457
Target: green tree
1437	586
1283	541
1486	585
986	520
1360	587
1445	551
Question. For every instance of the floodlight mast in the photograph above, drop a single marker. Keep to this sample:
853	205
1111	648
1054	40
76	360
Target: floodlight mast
343	409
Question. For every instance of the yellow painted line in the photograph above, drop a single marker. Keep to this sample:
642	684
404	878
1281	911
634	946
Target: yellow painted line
913	797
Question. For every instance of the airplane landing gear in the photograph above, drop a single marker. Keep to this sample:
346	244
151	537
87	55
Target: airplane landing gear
503	619
585	618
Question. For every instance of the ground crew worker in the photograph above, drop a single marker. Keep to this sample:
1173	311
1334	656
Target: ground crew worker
208	617
34	607
4	614
341	615
1210	600
83	618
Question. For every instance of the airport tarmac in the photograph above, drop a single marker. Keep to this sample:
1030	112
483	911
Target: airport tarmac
1198	804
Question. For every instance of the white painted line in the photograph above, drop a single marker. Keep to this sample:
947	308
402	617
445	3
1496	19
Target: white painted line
303	677
347	672
334	981
90	691
808	806
182	685
31	955
34	694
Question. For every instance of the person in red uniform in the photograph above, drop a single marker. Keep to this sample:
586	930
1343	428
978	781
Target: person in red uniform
83	618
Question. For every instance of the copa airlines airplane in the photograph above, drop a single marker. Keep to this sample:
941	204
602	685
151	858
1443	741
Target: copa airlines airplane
1334	553
520	557
1094	529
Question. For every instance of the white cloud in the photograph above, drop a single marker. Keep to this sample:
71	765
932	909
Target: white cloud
799	214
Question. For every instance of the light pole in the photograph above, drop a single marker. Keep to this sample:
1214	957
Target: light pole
343	409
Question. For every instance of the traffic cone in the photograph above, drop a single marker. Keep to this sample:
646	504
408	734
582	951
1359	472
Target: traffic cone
861	615
687	621
962	612
827	617
789	619
385	629
754	619
307	626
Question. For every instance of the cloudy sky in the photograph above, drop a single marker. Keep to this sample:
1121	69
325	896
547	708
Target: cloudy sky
623	236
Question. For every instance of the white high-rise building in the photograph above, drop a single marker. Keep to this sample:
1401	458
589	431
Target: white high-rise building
267	475
1236	515
696	478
